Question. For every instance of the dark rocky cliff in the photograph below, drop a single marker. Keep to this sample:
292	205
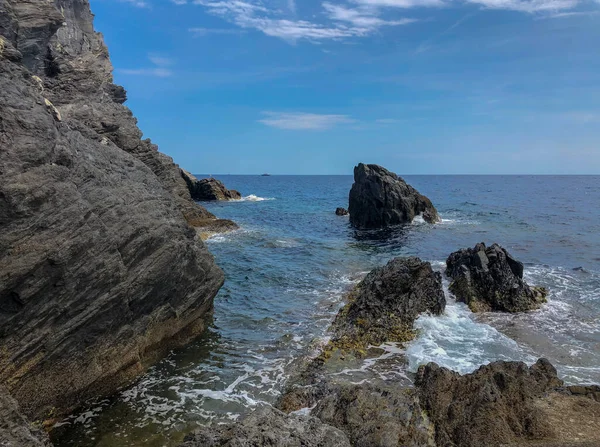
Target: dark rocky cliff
101	269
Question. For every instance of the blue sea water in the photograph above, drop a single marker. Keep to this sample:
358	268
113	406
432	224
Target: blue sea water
290	264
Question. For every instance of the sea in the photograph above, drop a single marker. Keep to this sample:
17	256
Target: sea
291	263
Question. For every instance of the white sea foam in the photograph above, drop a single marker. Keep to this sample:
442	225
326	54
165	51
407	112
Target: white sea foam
254	198
457	341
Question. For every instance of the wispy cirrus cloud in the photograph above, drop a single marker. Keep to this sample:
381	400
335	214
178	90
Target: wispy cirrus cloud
303	121
137	3
365	18
339	22
222	31
350	18
160	68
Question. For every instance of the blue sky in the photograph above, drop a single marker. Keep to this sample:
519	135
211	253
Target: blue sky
314	87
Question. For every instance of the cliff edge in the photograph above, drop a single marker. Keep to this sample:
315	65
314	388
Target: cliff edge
102	270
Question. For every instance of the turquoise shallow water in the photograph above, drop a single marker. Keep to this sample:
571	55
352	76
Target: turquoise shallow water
291	262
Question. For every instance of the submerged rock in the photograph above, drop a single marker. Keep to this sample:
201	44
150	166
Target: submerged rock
385	304
341	212
489	278
269	427
380	198
208	189
101	273
505	403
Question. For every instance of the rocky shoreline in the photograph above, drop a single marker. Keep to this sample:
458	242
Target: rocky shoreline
501	404
103	271
102	268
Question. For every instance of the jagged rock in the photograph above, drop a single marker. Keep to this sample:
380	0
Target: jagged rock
101	273
341	212
15	429
375	416
208	189
489	278
508	404
385	304
380	198
269	427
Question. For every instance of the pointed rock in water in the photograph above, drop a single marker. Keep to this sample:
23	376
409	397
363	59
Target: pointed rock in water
208	189
379	198
490	279
101	273
384	305
341	212
269	427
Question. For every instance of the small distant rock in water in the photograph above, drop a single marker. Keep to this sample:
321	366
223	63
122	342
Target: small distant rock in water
341	212
490	279
208	189
380	198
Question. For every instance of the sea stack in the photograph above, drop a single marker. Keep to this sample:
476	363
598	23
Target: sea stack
490	279
379	198
102	271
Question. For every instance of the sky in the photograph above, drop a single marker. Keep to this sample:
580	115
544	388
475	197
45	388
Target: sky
314	86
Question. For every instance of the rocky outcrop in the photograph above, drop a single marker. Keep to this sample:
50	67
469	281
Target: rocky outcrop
15	429
379	198
505	403
269	427
341	212
385	304
208	189
376	416
490	279
101	273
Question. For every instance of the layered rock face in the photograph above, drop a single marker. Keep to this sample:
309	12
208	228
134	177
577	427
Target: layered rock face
379	198
208	189
101	273
384	305
490	279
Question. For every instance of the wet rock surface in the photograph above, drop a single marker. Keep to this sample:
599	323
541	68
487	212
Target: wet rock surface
269	427
341	212
15	429
101	273
385	304
379	198
208	189
490	279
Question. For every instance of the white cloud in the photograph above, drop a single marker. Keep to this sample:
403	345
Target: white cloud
529	6
360	18
137	3
159	70
350	18
156	72
303	121
161	61
346	22
206	31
